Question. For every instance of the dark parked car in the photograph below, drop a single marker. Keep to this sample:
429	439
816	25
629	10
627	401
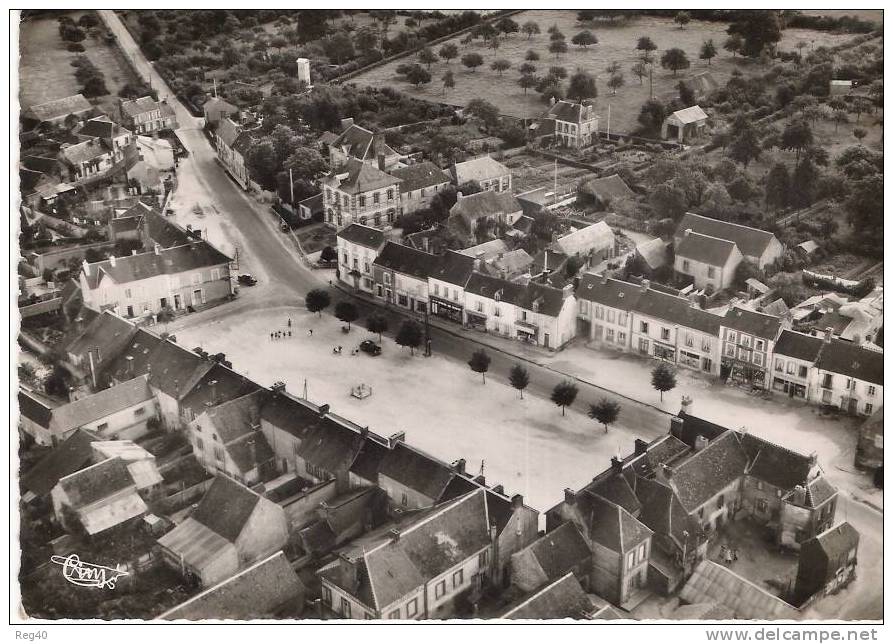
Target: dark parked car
245	279
368	346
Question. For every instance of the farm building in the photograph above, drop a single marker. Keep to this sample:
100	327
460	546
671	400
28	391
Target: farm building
685	125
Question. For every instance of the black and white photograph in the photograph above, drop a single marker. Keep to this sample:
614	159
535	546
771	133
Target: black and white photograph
440	317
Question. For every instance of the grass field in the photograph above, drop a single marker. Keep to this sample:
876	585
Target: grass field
45	71
616	43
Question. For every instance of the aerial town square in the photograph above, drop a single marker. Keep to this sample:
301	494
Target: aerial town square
517	314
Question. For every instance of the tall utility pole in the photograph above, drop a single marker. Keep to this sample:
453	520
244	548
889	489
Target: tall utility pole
291	185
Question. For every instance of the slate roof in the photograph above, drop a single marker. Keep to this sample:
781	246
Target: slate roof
68	457
102	128
654	253
818	490
708	471
235	418
45	165
757	324
453	268
368	461
96	482
774	464
848	359
168	261
217	108
290	414
838	540
559	551
485	204
712	582
691	114
363	235
693	426
596	237
144	104
611	187
562	599
610	525
406	260
480	169
228	131
570	112
549	300
255	593
752	242
60	108
100	405
362	144
663	512
86	151
420	175
330	446
226	507
357	177
228	385
613	293
108	331
197	545
487	250
706	249
417	471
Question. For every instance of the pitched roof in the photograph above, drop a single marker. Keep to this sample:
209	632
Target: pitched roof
406	260
60	108
848	359
610	525
837	540
218	107
362	144
690	114
609	292
485	204
559	551
798	345
654	252
663	512
453	268
102	127
96	482
167	261
368	461
68	457
197	545
752	242
596	237
100	405
235	418
357	177
712	582
479	169
571	112
290	414
330	446
142	105
610	187
549	301
228	131
706	472
758	324
774	464
226	507
255	593
108	332
363	235
416	470
703	248
562	599
86	151
216	385
420	175
488	250
818	490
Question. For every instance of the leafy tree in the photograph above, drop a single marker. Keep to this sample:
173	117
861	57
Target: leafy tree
615	83
409	335
263	163
581	86
484	31
427	57
584	39
449	82
674	59
708	51
472	61
778	186
485	111
527	69
448	52
668	202
758	29
527	81
558	72
57	383
339	47
564	394
500	65
366	39
558	47
865	213
531	55
317	300
519	379
639	70
682	18
745	147
507	26
377	324
663	379
418	75
530	28
346	312
494	43
328	254
734	44
686	94
553	29
480	363
797	136
306	164
605	411
651	117
555	35
860	133
573	265
646	46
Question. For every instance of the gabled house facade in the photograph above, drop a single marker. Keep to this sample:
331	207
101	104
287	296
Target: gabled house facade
363	145
446	285
418	184
361	193
358	246
709	261
573	125
489	173
759	247
748	340
401	276
233	144
145	115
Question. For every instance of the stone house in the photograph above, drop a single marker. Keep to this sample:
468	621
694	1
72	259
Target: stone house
363	145
401	276
489	173
710	262
357	247
145	115
419	182
827	562
446	285
748	340
358	192
570	124
761	248
233	143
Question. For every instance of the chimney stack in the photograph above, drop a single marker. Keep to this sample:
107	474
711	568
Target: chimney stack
459	195
112	260
686	406
616	465
278	387
604	279
641	446
129	362
133	252
323	410
798	496
700	443
381	161
397	437
517	501
570	497
86	268
157	248
676	427
645	285
213	386
829	331
395	535
499	489
459	466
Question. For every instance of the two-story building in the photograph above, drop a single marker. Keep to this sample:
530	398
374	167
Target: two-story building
748	339
216	109
145	115
709	261
105	148
401	276
793	364
419	182
530	312
592	243
426	567
233	143
849	377
359	192
363	145
358	246
573	125
192	275
482	214
489	174
446	285
759	247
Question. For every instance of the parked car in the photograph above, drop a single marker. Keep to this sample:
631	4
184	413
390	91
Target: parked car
368	346
245	279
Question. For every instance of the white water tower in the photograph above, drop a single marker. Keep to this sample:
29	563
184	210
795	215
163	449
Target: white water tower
303	71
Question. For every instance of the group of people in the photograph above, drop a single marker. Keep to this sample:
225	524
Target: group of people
727	554
286	333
